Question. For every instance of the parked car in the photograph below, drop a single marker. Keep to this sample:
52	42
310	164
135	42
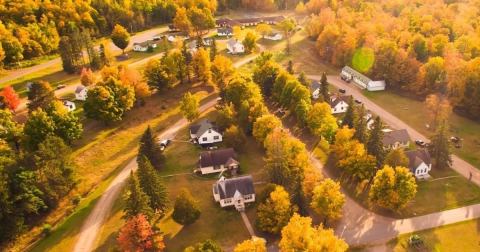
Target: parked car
60	87
156	38
341	90
358	101
212	147
420	143
164	143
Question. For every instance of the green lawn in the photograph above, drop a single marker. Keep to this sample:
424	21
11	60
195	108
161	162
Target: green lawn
464	236
414	112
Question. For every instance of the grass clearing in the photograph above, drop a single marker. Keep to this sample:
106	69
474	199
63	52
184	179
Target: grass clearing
402	107
463	236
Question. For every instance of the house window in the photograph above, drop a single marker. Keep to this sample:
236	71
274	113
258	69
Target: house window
227	201
204	139
209	131
247	197
215	137
216	167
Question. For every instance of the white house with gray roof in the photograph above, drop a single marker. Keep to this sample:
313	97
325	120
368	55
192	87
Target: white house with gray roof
205	132
394	139
216	161
235	47
419	163
339	103
81	93
234	192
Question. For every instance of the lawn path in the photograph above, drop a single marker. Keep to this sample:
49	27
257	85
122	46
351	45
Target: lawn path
247	223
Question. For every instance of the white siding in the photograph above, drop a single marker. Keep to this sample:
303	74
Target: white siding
210	136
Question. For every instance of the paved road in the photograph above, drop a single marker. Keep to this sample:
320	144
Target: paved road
459	165
139	37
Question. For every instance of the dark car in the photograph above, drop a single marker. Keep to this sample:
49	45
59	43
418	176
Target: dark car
358	101
164	143
420	143
60	87
341	90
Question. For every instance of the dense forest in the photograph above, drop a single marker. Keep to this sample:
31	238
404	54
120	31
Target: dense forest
419	47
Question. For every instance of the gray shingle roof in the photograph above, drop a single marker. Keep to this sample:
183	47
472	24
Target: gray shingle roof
228	187
79	89
391	137
416	157
314	86
201	127
225	30
339	99
217	157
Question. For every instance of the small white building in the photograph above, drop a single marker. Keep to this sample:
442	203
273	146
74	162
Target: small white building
339	104
235	47
394	139
420	163
205	133
218	161
225	31
315	89
70	106
349	74
234	192
143	47
170	38
274	36
81	93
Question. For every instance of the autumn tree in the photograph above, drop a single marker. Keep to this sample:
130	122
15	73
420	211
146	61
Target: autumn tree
263	29
321	121
202	66
40	95
328	200
300	235
205	246
87	78
10	98
12	132
136	200
234	137
133	78
38	126
396	157
138	235
120	37
185	210
275	212
182	22
156	75
439	109
264	125
152	185
222	71
226	116
287	26
67	125
440	147
108	101
265	75
201	19
256	244
250	42
189	106
393	188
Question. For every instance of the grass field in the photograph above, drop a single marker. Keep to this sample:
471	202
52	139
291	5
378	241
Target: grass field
414	113
464	236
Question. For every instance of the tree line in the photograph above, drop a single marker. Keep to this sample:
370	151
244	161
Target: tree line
421	49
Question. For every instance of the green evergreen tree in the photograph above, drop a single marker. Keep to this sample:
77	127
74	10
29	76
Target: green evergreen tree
290	67
440	147
152	185
213	49
188	61
324	88
137	201
350	115
302	78
375	141
361	125
150	149
185	210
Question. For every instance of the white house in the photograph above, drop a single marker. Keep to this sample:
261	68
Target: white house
339	104
205	133
171	38
70	106
218	161
235	47
225	31
143	47
419	163
315	89
234	192
394	139
81	93
349	74
274	36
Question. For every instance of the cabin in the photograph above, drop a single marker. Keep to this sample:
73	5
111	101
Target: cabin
349	74
274	36
81	93
235	47
394	139
235	192
205	133
246	22
217	161
225	32
226	22
143	47
419	163
70	106
339	103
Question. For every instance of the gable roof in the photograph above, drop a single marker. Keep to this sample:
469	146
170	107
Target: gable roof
314	86
228	187
225	30
232	42
217	157
226	22
79	89
417	157
337	99
391	137
201	127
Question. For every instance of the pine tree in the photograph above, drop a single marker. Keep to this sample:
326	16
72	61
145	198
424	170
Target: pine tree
375	141
350	115
302	78
213	49
185	210
361	126
152	185
150	149
324	88
290	67
188	61
137	202
440	147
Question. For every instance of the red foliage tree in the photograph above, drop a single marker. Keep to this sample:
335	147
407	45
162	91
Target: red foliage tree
11	98
137	236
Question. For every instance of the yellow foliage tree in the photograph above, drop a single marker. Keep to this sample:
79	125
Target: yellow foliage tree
256	244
